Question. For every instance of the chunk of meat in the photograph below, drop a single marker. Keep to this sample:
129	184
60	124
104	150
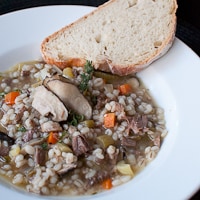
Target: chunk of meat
68	168
4	150
80	145
19	115
137	123
51	126
128	142
100	101
28	136
45	102
25	73
39	156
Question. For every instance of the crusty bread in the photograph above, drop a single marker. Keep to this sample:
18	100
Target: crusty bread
121	36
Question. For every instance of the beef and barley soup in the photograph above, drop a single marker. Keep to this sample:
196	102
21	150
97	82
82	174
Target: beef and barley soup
77	131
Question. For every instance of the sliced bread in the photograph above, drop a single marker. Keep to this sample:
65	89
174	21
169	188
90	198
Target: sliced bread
120	36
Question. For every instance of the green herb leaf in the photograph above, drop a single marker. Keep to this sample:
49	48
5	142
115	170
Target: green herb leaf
75	119
64	133
86	76
21	128
44	145
88	68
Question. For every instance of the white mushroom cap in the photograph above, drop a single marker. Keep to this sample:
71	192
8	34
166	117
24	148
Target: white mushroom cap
45	102
70	96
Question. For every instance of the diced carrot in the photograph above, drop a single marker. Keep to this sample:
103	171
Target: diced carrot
11	96
125	89
107	184
109	120
52	138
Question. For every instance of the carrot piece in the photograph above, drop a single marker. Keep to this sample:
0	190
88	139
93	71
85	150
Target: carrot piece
107	184
52	138
125	89
109	120
10	97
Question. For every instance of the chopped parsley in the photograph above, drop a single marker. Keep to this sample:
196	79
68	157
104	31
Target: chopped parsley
21	128
64	133
44	146
74	119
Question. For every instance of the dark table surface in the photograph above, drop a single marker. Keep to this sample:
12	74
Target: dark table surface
188	21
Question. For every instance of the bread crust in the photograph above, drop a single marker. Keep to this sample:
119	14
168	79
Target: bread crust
106	64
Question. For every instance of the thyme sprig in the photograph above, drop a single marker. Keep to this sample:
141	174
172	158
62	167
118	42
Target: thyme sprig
86	76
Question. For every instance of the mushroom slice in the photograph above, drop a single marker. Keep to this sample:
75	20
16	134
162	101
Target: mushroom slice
70	96
57	77
51	126
33	142
45	102
36	141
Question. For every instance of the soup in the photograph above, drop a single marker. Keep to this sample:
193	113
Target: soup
77	131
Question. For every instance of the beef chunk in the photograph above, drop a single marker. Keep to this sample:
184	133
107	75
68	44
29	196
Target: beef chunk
28	136
20	114
4	151
64	171
25	73
40	156
128	142
80	145
137	123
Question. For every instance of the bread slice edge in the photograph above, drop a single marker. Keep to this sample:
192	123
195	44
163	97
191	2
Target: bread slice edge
106	64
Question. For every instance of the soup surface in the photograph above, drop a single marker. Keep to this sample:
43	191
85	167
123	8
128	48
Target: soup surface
76	131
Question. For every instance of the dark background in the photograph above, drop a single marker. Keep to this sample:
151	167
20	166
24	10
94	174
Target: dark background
188	21
188	15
